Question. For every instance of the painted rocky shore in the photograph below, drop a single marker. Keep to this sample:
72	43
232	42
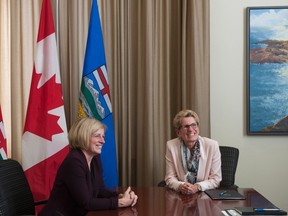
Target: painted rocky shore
275	52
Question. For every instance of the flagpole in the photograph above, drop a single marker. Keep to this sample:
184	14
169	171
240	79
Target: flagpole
57	24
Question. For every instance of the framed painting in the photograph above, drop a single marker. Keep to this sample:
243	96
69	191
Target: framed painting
267	70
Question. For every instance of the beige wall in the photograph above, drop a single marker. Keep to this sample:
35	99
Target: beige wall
263	162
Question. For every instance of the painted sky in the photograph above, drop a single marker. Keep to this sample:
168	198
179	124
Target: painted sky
270	23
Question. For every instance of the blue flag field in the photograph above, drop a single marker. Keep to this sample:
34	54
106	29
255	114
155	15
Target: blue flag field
95	100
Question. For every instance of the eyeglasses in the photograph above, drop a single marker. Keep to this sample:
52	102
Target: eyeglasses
193	125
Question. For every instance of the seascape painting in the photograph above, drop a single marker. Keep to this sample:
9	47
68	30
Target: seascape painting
267	70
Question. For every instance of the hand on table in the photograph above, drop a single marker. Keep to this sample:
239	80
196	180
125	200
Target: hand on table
187	188
129	198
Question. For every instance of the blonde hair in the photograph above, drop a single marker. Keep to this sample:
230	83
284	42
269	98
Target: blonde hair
81	131
183	114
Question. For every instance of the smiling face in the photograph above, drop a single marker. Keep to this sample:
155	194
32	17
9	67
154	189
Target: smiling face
188	131
96	142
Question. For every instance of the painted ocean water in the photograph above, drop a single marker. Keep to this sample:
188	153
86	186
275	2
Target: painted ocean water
268	94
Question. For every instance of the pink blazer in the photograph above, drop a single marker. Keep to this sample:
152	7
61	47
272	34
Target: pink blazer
209	171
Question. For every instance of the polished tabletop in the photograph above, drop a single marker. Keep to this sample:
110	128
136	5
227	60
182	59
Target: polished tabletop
160	201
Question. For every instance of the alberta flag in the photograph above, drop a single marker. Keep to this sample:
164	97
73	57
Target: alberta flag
3	145
44	140
95	100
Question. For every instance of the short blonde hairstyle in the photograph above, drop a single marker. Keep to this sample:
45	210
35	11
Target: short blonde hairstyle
183	114
81	131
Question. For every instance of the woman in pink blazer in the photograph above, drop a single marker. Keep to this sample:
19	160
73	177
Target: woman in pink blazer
193	163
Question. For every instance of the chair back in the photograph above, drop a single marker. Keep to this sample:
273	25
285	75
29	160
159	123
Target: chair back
15	194
229	162
161	183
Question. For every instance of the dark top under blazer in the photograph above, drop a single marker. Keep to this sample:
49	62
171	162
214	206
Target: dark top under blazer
76	190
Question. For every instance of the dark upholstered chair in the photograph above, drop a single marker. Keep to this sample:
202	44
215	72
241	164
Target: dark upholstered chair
229	162
15	194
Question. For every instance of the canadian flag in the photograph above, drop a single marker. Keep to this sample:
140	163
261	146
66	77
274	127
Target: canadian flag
44	140
3	145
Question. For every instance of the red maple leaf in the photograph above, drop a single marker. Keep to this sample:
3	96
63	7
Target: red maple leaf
41	101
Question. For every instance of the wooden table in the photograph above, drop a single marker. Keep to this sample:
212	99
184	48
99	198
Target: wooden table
160	201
